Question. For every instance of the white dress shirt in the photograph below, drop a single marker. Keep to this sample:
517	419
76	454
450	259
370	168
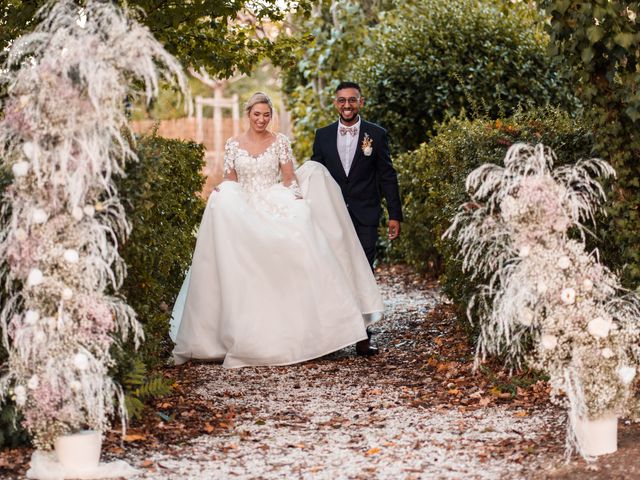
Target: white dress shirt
347	145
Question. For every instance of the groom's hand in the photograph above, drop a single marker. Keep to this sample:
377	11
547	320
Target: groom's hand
394	229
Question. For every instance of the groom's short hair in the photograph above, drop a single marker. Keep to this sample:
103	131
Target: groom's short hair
343	85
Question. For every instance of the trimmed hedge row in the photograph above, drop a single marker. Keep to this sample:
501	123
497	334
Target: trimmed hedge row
161	196
432	180
429	61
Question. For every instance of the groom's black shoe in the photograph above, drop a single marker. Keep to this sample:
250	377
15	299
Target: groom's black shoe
364	349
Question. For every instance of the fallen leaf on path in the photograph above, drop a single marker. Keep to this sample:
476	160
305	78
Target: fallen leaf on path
208	428
495	391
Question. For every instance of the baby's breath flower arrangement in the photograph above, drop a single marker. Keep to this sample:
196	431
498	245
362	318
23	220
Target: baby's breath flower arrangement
62	138
548	302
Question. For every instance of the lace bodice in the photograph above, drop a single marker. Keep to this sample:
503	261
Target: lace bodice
257	173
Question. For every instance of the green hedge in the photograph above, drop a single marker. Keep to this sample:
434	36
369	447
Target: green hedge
599	41
427	61
161	196
432	180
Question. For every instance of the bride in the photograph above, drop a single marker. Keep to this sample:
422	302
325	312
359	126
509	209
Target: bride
278	275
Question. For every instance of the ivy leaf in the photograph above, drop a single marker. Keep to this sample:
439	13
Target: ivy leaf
562	6
632	113
594	34
587	54
624	39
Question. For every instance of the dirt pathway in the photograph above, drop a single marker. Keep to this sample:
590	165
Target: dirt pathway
416	411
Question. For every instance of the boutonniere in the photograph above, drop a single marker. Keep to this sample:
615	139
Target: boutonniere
367	145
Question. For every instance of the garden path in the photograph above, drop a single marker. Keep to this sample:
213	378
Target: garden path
416	411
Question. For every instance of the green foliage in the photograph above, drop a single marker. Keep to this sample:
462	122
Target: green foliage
16	18
336	33
432	60
200	33
421	62
161	196
432	179
5	178
140	387
600	40
513	382
11	433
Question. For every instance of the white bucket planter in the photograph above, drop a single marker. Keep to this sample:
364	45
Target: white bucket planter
79	453
598	436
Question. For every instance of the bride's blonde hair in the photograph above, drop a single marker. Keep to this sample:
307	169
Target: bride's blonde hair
257	98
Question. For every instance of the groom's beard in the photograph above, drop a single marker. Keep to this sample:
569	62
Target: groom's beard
354	116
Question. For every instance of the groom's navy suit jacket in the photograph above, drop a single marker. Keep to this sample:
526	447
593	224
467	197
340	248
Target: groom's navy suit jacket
370	177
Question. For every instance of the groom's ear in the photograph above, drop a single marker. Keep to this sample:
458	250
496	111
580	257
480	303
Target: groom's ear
361	102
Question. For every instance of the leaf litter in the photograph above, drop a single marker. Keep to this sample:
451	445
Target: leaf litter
417	410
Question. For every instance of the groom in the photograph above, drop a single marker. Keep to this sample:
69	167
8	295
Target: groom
356	153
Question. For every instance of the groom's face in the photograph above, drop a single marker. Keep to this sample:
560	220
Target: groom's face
348	102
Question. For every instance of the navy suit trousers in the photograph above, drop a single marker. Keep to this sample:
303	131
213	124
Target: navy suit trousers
368	236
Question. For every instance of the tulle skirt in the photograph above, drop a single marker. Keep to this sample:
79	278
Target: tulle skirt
275	280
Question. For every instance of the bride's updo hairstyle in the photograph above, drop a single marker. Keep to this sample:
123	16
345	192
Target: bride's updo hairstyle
255	99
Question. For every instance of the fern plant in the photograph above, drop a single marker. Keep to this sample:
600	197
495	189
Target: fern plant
140	387
11	432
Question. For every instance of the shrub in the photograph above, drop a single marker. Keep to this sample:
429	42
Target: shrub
431	60
161	195
432	181
11	433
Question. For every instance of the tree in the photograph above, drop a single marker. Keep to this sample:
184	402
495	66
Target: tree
330	36
220	37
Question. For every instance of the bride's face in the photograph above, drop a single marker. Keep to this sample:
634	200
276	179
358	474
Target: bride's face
260	117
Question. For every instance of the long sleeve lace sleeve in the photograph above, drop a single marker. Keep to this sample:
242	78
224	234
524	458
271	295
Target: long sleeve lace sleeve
230	154
288	165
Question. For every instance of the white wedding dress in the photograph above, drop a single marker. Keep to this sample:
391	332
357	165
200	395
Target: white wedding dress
274	280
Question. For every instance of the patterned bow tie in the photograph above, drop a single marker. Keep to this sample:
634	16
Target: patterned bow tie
350	130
